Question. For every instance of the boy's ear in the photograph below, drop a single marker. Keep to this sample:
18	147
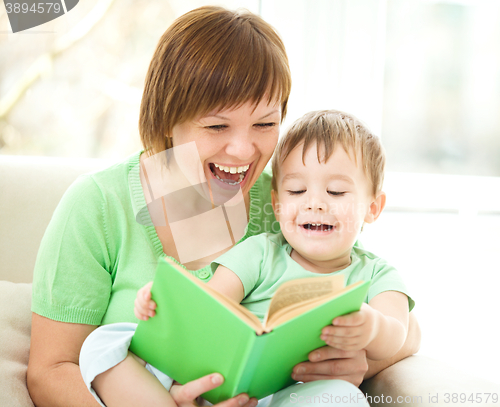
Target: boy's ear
376	208
274	198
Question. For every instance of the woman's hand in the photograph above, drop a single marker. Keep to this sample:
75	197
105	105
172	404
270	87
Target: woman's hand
331	363
186	395
328	363
144	306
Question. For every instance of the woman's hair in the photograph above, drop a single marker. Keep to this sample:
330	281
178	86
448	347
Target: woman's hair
329	129
211	58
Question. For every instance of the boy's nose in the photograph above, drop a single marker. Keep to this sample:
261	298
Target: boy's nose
315	204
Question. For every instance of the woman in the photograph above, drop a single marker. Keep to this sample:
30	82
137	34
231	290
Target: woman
221	80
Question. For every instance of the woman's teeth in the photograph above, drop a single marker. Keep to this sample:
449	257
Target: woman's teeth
231	183
231	170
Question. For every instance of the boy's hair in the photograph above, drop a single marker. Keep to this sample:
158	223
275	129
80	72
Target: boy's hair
211	58
330	129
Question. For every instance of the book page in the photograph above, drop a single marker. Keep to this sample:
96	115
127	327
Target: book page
303	290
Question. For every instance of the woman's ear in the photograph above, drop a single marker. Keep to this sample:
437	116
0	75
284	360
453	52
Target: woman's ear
376	207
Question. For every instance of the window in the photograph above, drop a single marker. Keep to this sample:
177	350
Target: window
422	74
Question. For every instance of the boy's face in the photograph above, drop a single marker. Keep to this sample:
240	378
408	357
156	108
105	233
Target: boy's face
321	207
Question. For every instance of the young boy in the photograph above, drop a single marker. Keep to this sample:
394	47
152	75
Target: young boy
327	179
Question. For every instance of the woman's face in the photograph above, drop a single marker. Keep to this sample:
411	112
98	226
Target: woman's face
234	144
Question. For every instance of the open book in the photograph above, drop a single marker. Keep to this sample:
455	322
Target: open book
198	331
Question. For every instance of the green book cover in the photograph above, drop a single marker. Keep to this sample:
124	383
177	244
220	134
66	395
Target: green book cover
194	334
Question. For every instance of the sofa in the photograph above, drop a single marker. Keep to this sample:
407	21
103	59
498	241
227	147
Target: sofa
31	187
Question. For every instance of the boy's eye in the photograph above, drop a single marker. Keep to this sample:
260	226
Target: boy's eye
296	192
337	193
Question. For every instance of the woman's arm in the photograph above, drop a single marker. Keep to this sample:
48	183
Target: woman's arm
54	377
330	363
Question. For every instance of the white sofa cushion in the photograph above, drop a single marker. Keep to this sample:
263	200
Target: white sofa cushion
30	189
15	329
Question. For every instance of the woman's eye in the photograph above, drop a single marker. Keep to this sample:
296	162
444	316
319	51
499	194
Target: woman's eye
337	193
266	125
217	127
296	192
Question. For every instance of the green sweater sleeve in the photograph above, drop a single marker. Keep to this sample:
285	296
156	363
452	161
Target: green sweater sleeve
72	279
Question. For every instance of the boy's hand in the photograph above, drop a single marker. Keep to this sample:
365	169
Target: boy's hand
144	306
352	331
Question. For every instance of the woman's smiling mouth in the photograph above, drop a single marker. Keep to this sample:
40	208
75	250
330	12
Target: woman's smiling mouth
229	175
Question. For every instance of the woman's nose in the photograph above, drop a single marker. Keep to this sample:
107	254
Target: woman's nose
241	145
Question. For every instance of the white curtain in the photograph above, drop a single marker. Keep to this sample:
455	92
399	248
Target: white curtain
336	52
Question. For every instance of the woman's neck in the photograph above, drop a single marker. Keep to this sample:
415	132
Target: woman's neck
156	186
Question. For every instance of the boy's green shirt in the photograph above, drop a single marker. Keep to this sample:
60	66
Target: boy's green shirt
264	262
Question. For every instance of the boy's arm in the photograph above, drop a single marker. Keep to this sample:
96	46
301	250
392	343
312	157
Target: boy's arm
228	283
410	347
380	327
392	312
